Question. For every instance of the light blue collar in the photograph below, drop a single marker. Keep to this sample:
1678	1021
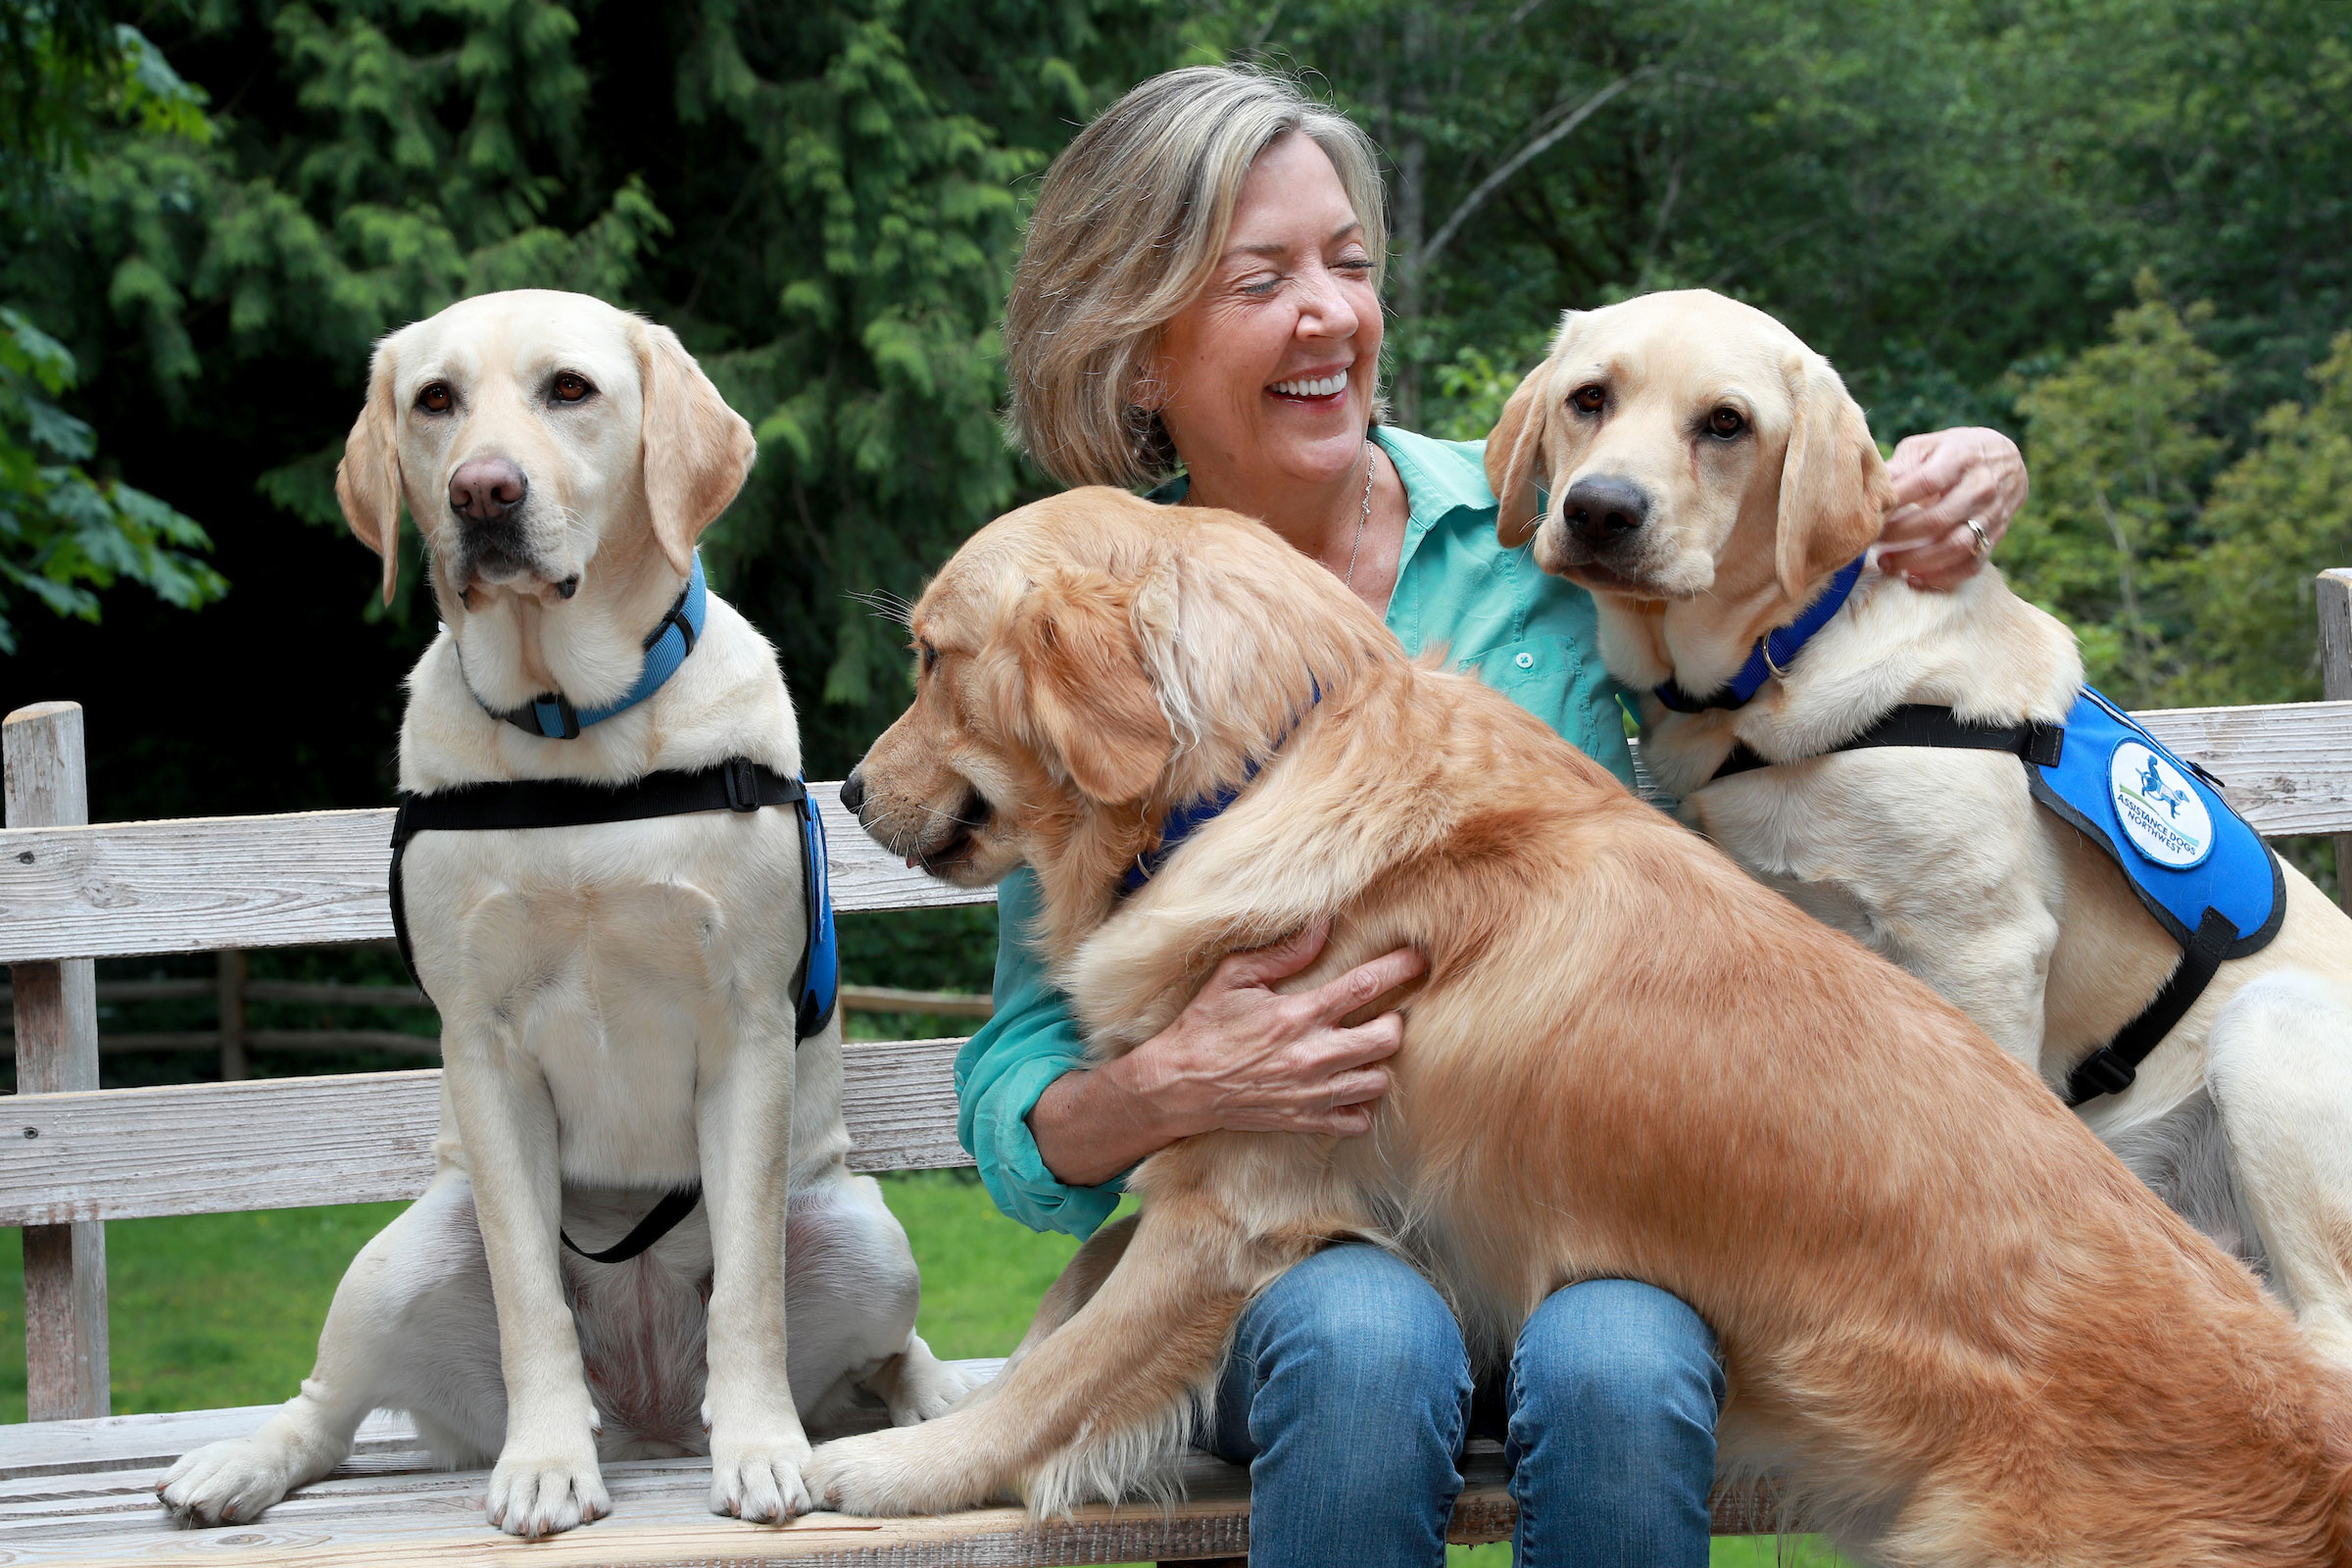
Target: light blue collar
551	716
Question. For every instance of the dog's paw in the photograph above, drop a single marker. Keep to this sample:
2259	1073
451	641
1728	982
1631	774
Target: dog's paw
905	1470
546	1491
758	1478
928	1389
228	1482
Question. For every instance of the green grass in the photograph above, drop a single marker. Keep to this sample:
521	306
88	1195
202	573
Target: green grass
221	1309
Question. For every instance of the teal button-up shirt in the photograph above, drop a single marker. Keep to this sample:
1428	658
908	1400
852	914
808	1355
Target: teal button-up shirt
1528	635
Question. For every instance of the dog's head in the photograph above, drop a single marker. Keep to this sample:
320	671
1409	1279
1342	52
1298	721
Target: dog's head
529	431
1085	663
1685	438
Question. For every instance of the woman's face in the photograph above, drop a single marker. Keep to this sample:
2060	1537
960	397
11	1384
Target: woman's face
1269	371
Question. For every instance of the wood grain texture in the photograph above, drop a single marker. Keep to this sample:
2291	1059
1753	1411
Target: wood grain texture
55	1005
201	884
2288	768
82	1493
356	1138
2335	588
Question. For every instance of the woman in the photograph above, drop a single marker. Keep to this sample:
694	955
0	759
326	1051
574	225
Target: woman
1200	293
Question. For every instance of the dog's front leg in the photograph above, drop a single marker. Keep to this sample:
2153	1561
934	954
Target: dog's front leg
547	1478
1099	1405
757	1444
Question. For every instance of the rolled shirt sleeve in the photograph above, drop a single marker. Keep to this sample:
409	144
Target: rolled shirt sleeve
1003	1069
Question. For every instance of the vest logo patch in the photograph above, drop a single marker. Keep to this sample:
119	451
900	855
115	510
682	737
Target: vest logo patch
2160	814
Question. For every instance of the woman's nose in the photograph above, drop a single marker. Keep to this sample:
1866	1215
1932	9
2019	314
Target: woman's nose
1323	308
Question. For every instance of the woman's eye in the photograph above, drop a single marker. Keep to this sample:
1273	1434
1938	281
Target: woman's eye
434	397
1725	422
571	386
1263	284
1590	398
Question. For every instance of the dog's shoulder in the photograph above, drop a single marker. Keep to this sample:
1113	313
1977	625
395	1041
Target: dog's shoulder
1979	650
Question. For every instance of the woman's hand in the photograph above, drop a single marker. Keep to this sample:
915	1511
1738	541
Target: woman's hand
1942	481
1242	1056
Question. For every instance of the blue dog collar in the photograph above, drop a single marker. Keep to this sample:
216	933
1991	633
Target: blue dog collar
551	716
1192	817
1773	651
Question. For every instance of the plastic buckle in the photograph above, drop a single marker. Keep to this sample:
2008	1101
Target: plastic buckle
2102	1072
567	719
742	777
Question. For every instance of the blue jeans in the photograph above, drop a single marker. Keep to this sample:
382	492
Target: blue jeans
1348	1394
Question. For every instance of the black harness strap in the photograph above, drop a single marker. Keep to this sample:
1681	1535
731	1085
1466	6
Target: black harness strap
735	785
1923	724
2112	1068
660	1222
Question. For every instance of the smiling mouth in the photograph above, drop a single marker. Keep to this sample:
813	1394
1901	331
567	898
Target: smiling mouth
1313	388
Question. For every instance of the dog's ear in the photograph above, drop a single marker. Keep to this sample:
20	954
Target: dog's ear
1076	637
367	479
1515	459
697	451
1833	486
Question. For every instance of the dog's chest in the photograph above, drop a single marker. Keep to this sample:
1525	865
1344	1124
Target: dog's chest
626	962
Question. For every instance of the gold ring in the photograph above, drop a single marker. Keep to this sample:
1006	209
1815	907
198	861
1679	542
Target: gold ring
1983	545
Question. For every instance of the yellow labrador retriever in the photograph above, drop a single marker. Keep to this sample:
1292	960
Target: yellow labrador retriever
1707	474
617	1005
1945	1311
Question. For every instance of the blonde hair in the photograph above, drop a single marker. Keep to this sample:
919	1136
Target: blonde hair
1129	222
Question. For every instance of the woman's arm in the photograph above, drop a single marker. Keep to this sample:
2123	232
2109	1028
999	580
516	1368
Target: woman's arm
1240	1056
1285	1065
1942	481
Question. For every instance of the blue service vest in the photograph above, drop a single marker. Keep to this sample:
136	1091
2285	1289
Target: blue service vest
2179	844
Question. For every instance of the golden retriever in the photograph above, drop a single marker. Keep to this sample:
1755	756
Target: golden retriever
1948	1317
1939	859
615	999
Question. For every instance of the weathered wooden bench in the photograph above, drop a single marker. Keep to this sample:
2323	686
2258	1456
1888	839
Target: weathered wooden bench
76	1483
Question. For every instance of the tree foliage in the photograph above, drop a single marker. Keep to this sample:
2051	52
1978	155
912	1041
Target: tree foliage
1953	198
67	77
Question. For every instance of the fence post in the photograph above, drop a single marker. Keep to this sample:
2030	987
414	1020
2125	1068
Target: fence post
233	1065
2335	684
66	1373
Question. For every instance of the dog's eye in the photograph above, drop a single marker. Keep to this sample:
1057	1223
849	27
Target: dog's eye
1725	422
1591	399
569	387
929	655
434	397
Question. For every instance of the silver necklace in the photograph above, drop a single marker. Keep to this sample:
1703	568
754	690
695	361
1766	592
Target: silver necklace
1371	469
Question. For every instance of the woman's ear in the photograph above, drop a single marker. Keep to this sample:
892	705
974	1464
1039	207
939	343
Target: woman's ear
696	450
367	479
1515	459
1094	704
1833	486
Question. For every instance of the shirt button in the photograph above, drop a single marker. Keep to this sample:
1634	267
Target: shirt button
1527	661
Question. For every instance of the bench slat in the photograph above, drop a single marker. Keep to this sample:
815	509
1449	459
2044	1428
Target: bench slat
79	1491
200	884
359	1138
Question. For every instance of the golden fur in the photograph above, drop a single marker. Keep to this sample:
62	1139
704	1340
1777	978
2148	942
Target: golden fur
1948	1317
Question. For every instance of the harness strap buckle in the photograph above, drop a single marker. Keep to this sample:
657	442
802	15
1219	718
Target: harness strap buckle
742	777
2045	744
2102	1072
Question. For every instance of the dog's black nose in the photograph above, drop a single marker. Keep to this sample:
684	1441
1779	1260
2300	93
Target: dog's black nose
1602	510
487	489
852	791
